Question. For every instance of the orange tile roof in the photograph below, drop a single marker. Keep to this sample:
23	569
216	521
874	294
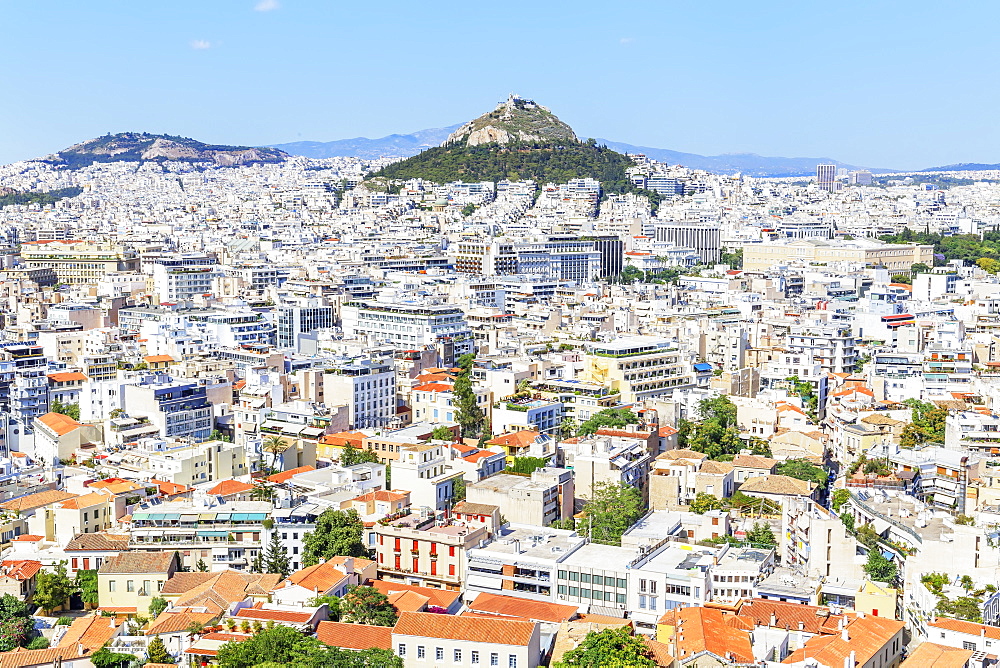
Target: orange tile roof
434	387
408	601
92	632
178	620
699	629
474	629
521	439
159	358
138	562
36	500
866	637
539	611
30	538
442	598
20	569
274	615
381	495
939	656
67	376
25	658
227	487
667	430
354	636
116	485
961	626
85	501
59	423
321	577
814	619
285	475
169	488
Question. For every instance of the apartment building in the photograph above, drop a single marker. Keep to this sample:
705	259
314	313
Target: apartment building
409	325
637	368
420	550
547	496
78	262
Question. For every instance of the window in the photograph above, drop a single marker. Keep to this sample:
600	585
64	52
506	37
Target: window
598	580
475	657
512	661
130	585
401	649
652	603
574	591
111	587
574	576
621	583
458	656
642	602
420	651
620	598
642	585
562	575
968	645
439	653
652	586
562	589
585	593
585	577
494	659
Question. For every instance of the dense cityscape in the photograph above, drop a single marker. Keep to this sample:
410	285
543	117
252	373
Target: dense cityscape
579	409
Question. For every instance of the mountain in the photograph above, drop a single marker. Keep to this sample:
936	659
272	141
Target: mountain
963	167
145	147
750	164
362	147
518	140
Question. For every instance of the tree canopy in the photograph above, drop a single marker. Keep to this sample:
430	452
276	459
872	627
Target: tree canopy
804	470
367	605
614	508
927	426
716	433
276	557
879	568
338	534
614	646
609	417
16	625
53	588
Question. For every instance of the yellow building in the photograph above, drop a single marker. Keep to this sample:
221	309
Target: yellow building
895	257
638	368
128	581
78	261
876	598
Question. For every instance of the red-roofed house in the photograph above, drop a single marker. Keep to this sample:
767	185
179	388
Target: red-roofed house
424	638
232	490
301	618
58	436
330	578
354	636
17	578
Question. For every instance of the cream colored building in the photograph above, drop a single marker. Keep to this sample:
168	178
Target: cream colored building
895	257
640	367
78	261
130	580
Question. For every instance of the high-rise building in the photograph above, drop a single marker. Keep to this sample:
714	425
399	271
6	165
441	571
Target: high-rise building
295	320
826	177
706	238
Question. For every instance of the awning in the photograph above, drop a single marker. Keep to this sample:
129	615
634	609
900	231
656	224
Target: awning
241	517
483	582
171	516
222	516
189	518
257	517
207	516
140	516
213	534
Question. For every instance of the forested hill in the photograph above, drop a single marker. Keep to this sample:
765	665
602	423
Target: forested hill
516	162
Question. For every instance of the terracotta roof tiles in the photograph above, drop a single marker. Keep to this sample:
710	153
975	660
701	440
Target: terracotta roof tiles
475	629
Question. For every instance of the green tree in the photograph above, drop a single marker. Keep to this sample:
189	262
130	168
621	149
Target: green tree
105	658
705	502
442	433
905	279
848	520
86	582
275	444
716	433
201	566
276	557
257	563
525	465
459	491
804	470
367	605
839	498
72	410
805	391
16	624
988	264
927	424
468	414
614	646
761	535
332	604
879	568
38	642
610	417
963	607
613	509
920	268
262	492
53	588
338	534
352	456
157	605
156	652
465	362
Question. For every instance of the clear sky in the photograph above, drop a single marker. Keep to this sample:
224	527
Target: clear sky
880	84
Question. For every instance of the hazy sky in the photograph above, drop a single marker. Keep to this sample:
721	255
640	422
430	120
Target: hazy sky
880	84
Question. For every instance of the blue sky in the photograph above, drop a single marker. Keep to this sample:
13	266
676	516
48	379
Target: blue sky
881	84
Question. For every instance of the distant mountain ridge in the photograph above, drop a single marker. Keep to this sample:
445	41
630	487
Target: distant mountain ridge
146	147
394	145
408	145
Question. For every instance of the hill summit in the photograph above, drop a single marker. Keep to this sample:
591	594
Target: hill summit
516	120
518	140
145	147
